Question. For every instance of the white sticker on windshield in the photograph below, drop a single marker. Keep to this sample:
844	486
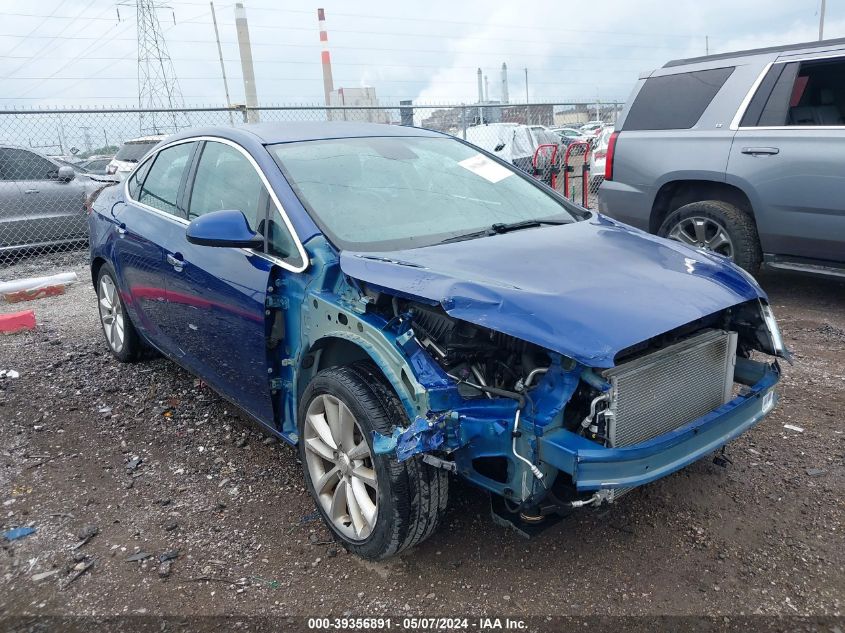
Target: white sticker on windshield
488	169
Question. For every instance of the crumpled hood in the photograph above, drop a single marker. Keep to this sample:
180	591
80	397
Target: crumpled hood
586	290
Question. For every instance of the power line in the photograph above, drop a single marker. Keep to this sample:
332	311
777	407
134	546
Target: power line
396	33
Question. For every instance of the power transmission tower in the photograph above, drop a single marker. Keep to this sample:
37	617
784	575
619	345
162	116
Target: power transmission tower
158	87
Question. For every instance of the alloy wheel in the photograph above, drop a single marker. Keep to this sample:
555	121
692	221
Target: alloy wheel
705	233
341	468
111	314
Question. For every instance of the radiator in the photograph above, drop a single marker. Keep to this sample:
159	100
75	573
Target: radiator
665	390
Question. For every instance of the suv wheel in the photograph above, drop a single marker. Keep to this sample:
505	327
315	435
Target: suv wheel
121	336
716	226
374	504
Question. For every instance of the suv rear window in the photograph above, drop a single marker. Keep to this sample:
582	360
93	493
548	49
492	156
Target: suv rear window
675	102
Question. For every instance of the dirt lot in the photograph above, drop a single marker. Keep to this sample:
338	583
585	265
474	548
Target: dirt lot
159	464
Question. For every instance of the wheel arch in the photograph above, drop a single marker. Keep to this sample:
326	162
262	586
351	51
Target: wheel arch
339	349
676	193
96	265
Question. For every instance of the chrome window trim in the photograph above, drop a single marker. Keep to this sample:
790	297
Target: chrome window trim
747	100
743	106
218	139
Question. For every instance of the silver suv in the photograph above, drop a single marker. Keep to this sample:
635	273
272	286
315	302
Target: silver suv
739	153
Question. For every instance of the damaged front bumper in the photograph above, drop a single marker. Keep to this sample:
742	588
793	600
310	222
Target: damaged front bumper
484	430
593	467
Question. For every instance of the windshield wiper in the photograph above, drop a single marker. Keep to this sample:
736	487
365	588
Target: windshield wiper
499	228
524	224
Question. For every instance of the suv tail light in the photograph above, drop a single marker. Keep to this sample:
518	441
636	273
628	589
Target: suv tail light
611	152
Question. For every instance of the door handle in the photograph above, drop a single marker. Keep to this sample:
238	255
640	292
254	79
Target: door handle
176	261
758	151
32	191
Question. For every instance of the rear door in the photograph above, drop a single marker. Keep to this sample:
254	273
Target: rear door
152	218
11	233
789	155
50	210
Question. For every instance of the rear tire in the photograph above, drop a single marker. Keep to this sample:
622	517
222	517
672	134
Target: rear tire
410	497
699	224
121	336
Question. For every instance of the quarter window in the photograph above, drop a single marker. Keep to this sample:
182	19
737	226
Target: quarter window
161	186
137	178
675	102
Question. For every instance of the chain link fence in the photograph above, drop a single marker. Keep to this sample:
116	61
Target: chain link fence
52	161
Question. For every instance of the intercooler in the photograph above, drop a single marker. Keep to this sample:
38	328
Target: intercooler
662	391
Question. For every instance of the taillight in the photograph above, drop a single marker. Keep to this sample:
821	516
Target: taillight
611	154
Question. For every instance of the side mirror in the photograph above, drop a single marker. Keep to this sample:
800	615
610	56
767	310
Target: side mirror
66	174
223	228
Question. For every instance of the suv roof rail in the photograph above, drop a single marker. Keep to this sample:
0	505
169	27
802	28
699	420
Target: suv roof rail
757	51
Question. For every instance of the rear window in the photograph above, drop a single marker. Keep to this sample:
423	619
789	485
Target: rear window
133	152
675	102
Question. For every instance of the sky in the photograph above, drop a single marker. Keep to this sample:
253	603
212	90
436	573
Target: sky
78	53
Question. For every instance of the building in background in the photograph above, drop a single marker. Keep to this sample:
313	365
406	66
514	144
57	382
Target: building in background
357	98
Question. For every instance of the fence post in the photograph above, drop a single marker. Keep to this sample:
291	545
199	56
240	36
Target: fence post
463	122
244	113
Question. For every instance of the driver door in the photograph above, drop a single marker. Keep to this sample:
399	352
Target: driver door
215	310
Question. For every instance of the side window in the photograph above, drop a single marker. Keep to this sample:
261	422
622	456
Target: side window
19	164
161	186
675	102
799	93
137	178
226	180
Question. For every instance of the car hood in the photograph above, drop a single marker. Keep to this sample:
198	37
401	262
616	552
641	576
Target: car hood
586	290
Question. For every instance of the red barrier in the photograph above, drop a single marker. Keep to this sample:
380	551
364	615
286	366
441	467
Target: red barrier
551	167
579	149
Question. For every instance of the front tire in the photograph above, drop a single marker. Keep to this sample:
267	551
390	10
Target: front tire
121	337
374	504
717	226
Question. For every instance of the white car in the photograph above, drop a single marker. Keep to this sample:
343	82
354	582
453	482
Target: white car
598	157
130	153
591	128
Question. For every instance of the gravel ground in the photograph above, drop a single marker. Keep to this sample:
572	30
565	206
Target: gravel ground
158	466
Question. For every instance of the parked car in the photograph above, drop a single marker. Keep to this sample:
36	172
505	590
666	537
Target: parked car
739	153
402	305
569	135
598	157
96	165
41	201
591	128
130	153
512	142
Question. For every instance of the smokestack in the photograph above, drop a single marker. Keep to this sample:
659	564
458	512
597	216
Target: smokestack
504	82
328	82
246	63
486	90
480	88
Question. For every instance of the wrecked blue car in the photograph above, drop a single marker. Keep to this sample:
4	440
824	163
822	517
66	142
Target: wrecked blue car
406	308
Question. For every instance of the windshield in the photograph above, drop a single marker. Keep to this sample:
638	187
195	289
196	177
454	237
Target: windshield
134	151
390	193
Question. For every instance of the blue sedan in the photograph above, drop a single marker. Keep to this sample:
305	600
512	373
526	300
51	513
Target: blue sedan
405	307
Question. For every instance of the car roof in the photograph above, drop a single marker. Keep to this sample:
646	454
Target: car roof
290	132
809	46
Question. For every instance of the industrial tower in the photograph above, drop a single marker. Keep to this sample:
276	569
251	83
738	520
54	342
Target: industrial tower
158	87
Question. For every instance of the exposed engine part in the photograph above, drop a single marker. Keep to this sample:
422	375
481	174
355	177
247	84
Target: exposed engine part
580	503
472	354
538	474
